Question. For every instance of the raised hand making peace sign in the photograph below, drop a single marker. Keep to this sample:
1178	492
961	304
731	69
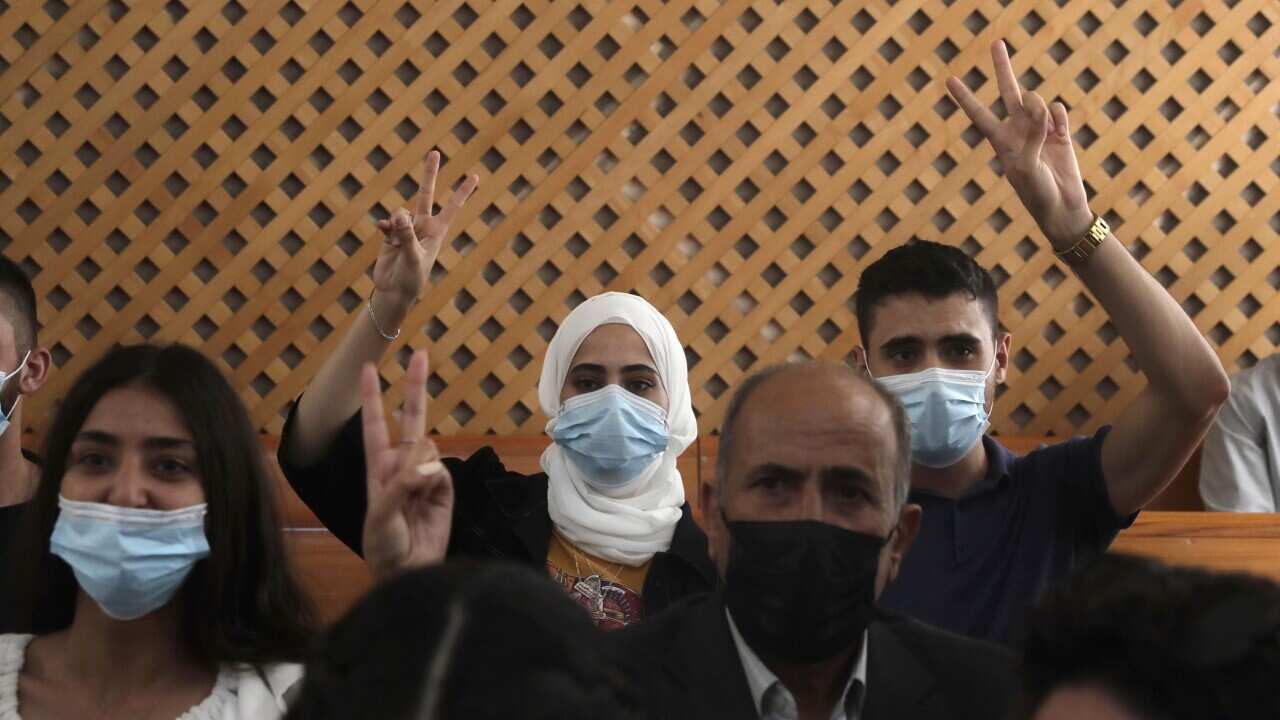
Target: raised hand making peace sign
411	242
1034	147
410	509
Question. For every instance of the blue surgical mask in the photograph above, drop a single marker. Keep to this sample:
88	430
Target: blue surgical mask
947	410
6	378
611	435
130	561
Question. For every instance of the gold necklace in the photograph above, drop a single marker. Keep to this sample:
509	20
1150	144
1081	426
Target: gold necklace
577	569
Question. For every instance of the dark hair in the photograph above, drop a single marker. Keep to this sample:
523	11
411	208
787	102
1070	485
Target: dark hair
242	602
928	268
18	304
464	640
1165	642
745	389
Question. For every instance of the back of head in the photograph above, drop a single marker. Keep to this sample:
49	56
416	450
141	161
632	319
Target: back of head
464	640
925	268
1162	642
241	603
18	305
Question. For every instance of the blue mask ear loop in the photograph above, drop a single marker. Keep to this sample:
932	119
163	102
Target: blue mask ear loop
866	364
994	357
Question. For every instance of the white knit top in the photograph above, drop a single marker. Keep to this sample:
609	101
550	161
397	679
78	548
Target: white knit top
239	693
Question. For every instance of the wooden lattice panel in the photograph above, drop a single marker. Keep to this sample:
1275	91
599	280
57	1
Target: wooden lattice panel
206	172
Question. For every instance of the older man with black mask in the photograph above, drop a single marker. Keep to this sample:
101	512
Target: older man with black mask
808	522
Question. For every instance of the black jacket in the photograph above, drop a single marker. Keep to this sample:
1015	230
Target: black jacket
497	514
11	518
686	666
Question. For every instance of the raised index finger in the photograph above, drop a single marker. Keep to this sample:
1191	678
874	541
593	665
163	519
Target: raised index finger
1010	91
427	188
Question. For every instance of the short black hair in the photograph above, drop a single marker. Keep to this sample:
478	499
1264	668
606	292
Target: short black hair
18	304
927	268
240	604
467	639
1164	642
901	429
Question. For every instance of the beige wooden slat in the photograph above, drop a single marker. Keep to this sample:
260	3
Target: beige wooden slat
739	163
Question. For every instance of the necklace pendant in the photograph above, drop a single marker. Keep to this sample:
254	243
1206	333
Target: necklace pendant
590	589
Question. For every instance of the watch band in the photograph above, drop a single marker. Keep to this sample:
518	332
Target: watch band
1077	253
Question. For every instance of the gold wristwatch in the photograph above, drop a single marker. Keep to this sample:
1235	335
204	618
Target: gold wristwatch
1077	253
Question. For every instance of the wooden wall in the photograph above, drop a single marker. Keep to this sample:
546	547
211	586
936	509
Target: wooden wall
206	172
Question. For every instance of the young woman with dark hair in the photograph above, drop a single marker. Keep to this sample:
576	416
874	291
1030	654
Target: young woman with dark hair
154	577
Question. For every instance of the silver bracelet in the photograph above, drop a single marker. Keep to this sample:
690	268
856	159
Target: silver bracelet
376	326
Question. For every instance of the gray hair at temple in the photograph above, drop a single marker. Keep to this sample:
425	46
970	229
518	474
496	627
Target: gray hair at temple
901	428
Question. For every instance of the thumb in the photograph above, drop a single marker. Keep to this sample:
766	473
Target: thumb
402	233
1037	130
1061	125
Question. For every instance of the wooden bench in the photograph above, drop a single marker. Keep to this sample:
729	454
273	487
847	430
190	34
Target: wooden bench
1226	542
1182	494
520	453
336	577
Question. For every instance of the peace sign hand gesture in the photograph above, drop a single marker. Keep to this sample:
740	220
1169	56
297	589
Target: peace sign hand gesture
411	243
1034	147
410	491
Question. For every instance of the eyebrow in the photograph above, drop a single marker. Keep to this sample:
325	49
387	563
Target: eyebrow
855	476
837	473
784	471
908	340
154	443
900	341
848	474
593	367
961	338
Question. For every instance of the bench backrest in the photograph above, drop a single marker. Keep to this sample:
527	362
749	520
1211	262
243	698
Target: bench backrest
336	577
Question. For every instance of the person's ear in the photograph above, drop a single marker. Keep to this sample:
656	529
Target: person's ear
707	497
1003	342
1000	373
860	361
900	542
713	522
36	371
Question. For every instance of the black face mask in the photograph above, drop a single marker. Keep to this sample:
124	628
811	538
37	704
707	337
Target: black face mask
801	591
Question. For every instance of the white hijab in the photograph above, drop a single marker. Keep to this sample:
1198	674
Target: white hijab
635	521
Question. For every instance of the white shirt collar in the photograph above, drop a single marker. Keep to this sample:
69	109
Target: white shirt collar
760	678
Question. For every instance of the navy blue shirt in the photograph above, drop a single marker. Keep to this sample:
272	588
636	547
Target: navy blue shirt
981	561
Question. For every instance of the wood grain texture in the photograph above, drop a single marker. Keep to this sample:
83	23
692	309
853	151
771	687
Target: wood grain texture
206	172
1182	493
1236	542
336	578
1223	542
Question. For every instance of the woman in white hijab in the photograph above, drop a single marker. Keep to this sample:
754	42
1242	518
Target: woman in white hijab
607	518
